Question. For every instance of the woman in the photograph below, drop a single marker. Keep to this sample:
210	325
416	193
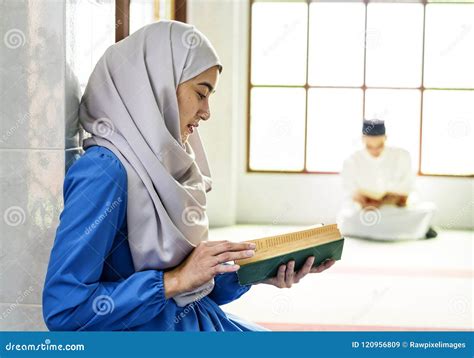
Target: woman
131	250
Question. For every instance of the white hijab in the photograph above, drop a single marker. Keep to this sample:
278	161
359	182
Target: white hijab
130	107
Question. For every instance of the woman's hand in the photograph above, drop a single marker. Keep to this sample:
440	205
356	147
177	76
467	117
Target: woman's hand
205	262
286	276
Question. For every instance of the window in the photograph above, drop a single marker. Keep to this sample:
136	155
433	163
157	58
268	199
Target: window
319	67
144	12
131	15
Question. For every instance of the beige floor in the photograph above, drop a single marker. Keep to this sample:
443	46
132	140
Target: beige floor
421	285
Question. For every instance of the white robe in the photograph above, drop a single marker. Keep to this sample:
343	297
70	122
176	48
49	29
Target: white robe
389	172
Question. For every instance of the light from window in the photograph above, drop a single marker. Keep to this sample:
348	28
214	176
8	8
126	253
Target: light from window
448	123
400	109
277	138
144	12
331	140
279	43
394	45
336	47
449	46
319	67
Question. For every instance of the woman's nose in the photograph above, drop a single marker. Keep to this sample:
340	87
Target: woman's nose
205	115
205	110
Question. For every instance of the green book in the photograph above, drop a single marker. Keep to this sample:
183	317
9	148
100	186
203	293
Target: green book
322	242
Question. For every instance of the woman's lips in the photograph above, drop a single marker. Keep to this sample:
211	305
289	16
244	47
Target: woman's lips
191	128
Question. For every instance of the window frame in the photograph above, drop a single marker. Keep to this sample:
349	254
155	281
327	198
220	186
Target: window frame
364	88
122	16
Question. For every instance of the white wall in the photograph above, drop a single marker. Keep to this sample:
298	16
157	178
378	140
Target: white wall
240	197
218	20
47	52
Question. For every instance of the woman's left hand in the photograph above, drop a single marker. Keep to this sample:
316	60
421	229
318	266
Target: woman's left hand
287	276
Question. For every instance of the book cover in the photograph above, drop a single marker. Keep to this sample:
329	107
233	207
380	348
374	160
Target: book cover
324	242
374	195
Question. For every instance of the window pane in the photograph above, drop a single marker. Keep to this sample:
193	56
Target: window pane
94	28
334	125
394	44
277	132
141	14
448	140
144	12
449	46
279	43
400	109
336	44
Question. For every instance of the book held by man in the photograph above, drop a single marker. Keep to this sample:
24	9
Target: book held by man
322	242
378	196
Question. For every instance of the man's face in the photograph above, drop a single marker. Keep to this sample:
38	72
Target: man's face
374	144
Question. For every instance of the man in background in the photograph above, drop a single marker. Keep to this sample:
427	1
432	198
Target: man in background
378	182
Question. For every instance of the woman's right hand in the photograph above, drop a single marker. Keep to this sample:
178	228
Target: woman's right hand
205	262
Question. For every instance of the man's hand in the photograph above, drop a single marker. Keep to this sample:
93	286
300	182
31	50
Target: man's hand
365	201
395	199
286	276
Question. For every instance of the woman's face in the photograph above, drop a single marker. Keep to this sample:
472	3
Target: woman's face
193	100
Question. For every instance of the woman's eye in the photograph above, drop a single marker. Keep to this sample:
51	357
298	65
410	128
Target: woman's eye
201	95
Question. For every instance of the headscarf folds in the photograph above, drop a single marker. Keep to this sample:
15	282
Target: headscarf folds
130	107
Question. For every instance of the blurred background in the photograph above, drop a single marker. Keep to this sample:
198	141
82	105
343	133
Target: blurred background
299	77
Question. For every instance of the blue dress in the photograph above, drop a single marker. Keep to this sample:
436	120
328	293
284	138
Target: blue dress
91	283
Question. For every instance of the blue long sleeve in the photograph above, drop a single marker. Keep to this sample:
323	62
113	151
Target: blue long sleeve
91	282
227	288
76	296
